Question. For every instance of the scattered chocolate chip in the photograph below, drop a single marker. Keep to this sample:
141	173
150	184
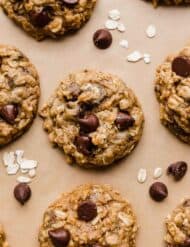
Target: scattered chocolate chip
87	210
9	113
124	121
186	203
70	2
186	243
181	66
158	191
88	123
60	237
22	193
84	144
40	18
177	170
102	38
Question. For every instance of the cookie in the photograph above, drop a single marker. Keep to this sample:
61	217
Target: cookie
91	215
178	226
19	93
94	117
3	241
173	93
49	18
169	2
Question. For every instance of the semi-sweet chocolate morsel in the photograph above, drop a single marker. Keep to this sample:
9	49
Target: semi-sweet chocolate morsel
124	121
40	19
22	193
84	144
177	170
89	123
87	210
158	191
181	66
102	38
60	237
9	113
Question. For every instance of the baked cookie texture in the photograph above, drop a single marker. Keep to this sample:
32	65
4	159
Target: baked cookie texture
49	18
3	241
19	93
178	226
92	215
173	93
94	117
169	2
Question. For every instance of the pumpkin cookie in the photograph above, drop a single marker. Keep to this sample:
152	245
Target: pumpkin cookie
173	93
94	117
91	215
49	18
19	93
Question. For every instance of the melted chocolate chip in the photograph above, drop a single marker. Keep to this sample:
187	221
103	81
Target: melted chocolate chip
40	18
89	123
22	193
9	113
60	237
84	144
102	38
158	191
181	66
124	121
177	170
87	211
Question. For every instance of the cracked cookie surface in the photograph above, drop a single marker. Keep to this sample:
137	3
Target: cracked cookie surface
94	117
169	2
173	93
91	215
3	241
19	93
178	226
49	18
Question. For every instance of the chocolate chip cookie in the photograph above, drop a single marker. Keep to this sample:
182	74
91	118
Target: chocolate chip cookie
91	215
94	117
19	93
49	18
3	241
169	2
178	226
173	93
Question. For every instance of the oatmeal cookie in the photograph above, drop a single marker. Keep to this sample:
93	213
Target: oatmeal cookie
3	241
49	18
173	93
19	93
91	215
178	226
169	2
94	117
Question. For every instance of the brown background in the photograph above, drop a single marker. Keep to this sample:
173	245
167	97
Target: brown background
54	60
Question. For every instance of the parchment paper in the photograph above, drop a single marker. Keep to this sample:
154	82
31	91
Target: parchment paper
158	148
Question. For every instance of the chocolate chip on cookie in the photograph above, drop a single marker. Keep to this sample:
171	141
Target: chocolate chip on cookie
84	144
40	18
22	193
177	170
60	237
181	66
102	38
9	113
186	243
89	123
87	210
124	121
158	191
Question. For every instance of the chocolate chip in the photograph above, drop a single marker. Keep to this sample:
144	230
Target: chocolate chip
186	203
181	66
124	121
87	210
22	193
158	191
89	123
9	113
102	38
40	18
177	170
186	243
84	144
60	237
70	2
